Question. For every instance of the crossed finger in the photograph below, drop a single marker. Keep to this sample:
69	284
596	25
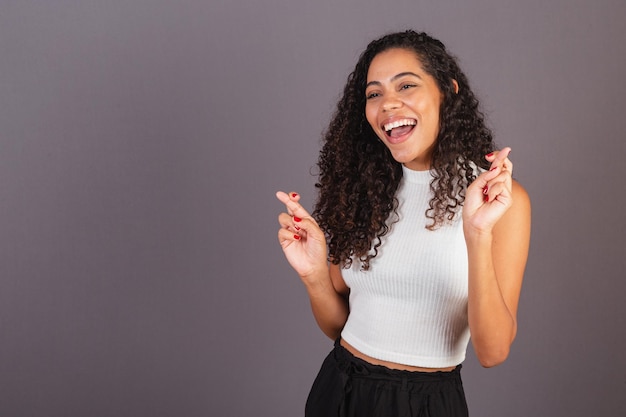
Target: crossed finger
291	202
499	178
500	160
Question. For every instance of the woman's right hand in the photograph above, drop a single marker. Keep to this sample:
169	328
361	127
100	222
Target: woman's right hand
304	245
302	240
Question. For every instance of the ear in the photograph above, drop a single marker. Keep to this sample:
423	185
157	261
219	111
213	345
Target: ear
456	86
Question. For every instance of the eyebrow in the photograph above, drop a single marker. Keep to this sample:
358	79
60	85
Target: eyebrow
395	77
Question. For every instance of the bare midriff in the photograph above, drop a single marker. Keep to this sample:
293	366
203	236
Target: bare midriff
391	365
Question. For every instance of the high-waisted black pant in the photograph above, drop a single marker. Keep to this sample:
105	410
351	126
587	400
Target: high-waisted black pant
347	386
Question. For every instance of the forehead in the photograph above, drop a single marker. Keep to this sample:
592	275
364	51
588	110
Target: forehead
394	61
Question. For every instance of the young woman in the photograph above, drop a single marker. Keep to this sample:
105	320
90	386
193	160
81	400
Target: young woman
419	237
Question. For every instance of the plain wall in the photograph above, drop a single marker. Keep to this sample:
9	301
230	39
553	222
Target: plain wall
142	142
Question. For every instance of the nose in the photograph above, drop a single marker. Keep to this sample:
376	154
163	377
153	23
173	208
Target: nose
391	103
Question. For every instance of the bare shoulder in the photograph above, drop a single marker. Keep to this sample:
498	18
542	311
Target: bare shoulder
337	280
521	199
511	235
517	219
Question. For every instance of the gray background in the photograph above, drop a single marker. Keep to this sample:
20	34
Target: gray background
141	143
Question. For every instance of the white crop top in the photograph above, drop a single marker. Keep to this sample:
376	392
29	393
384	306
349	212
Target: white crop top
411	306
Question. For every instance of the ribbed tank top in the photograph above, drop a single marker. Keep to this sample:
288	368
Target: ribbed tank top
410	307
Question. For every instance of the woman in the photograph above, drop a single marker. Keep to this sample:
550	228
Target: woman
419	237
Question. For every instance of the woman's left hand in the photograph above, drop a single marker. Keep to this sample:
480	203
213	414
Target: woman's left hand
490	195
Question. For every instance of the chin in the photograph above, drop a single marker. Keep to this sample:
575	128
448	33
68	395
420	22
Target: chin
403	158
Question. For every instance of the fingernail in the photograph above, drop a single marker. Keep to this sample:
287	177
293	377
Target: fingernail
294	195
296	227
493	169
297	237
486	198
489	155
297	219
486	189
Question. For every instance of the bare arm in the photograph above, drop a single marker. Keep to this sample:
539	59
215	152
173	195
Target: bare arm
497	232
304	245
330	305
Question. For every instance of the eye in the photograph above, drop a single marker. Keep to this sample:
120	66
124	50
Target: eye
407	86
372	95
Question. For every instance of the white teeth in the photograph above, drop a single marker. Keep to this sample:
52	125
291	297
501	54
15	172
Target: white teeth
398	123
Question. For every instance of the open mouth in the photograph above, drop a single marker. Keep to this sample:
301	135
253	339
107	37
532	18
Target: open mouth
399	128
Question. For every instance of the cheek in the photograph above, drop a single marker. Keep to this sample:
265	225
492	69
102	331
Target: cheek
430	110
370	115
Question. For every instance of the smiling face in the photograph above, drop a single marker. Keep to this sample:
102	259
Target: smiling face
402	106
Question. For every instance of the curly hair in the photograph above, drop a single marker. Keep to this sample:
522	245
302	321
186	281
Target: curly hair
358	177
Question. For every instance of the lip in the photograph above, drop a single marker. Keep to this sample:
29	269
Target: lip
397	139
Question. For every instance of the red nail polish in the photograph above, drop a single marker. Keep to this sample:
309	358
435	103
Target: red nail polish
486	198
297	219
493	169
296	227
297	237
294	195
489	155
486	189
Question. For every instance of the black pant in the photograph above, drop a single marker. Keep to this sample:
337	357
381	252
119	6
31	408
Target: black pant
347	386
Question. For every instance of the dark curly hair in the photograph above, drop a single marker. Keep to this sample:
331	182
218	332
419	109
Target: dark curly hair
358	177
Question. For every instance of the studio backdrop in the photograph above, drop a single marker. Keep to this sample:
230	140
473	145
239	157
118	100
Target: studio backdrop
142	142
